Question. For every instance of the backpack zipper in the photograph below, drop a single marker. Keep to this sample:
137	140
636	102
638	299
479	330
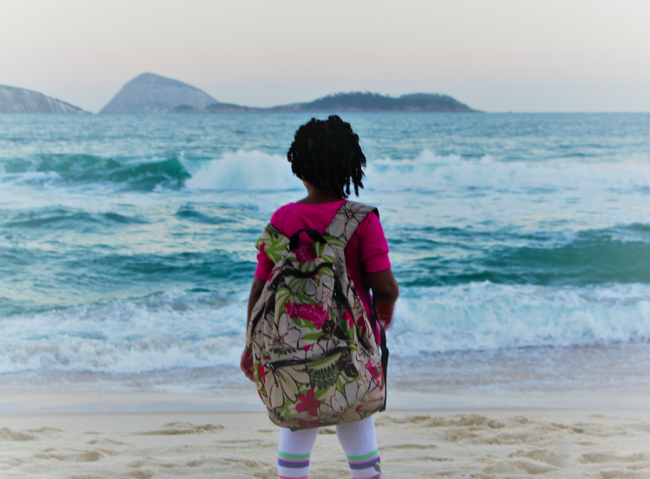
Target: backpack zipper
295	362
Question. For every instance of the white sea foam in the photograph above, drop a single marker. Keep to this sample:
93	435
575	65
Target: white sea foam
194	330
431	172
450	191
35	177
174	329
254	170
483	316
244	170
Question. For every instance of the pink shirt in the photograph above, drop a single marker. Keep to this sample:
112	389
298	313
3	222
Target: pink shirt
366	250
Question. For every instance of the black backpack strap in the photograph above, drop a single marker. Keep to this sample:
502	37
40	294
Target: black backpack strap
294	241
384	358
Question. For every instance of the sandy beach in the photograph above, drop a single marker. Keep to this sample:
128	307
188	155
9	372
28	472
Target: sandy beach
486	443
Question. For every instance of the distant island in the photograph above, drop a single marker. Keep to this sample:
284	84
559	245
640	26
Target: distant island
375	102
151	93
348	102
20	100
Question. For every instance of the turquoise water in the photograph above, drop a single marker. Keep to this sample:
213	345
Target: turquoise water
126	242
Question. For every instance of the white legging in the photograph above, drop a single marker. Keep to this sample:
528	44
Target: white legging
357	439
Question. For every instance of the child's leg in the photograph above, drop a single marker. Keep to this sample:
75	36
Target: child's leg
294	452
360	445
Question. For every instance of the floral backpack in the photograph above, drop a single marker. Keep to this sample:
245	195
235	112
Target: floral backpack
311	344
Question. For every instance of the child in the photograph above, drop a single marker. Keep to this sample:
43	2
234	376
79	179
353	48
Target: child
326	155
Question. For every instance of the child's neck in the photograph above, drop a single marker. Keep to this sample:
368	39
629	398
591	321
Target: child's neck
316	196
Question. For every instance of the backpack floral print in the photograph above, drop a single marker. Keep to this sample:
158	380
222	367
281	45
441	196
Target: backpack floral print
310	342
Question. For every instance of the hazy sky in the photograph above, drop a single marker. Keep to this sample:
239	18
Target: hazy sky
494	55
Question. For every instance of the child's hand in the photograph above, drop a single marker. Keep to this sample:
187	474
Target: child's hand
246	364
386	324
384	312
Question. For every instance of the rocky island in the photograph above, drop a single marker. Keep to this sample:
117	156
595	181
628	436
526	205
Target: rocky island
357	101
150	93
349	102
20	100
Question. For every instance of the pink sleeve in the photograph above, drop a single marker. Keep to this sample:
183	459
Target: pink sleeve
264	264
373	244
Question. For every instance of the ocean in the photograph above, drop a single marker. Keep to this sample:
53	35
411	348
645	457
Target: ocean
521	243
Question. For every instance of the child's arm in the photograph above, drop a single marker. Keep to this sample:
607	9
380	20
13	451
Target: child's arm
256	291
385	291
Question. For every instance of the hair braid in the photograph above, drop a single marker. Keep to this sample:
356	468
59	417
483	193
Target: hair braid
326	153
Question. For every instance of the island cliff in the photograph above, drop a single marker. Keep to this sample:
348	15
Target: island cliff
20	100
151	93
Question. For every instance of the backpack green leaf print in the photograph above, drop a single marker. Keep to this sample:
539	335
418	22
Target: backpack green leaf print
315	358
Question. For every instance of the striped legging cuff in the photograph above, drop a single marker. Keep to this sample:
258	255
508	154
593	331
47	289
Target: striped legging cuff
293	466
366	466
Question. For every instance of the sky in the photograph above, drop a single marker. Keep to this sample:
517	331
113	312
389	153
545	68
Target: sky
494	55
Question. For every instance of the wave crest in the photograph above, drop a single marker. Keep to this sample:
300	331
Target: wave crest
245	170
258	171
139	174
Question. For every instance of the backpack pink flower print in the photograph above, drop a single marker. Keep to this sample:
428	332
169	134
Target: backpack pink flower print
314	314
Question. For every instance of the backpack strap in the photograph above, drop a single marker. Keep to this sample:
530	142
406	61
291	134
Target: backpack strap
276	245
384	354
340	230
345	222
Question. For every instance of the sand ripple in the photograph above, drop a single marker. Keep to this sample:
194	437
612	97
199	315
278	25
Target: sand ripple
412	446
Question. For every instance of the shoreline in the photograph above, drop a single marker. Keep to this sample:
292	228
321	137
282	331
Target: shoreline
123	421
51	400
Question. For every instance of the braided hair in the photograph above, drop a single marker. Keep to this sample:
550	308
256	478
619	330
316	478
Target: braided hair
326	153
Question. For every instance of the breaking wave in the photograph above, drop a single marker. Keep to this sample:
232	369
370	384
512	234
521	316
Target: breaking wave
185	329
138	174
258	171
